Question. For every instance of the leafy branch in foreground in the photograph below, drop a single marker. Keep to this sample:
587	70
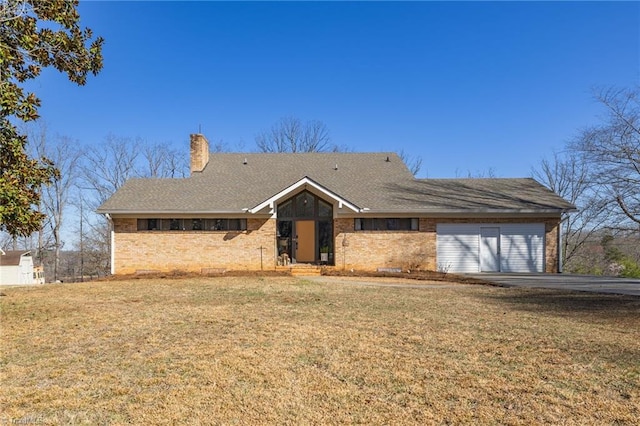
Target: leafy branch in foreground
34	34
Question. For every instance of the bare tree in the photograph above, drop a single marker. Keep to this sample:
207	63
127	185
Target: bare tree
569	177
414	164
155	157
107	167
478	174
7	241
94	243
55	197
290	134
611	151
161	161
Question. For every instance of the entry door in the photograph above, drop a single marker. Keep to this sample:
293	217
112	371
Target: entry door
306	231
489	249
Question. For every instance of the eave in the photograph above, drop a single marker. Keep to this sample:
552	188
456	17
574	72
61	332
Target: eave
462	212
467	211
167	213
292	189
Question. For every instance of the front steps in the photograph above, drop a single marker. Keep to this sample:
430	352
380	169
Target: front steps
301	270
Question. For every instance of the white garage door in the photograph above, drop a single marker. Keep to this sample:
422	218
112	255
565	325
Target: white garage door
512	247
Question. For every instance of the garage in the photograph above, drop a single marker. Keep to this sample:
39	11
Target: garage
486	247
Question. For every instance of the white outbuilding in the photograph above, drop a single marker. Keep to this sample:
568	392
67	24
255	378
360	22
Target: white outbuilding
16	268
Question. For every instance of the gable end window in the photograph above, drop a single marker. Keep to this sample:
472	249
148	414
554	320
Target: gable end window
386	224
192	224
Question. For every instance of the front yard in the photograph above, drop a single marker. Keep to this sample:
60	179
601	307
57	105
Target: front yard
280	350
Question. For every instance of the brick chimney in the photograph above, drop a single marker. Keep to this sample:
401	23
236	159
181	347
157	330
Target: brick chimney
199	152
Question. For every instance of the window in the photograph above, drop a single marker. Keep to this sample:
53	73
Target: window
192	224
148	224
286	209
173	224
325	236
225	224
324	209
386	224
237	225
304	204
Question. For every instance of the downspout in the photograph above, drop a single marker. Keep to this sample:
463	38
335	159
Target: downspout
112	243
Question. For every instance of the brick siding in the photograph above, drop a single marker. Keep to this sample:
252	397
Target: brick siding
193	250
240	250
369	250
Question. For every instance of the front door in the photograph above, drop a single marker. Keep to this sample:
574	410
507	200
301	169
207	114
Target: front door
305	228
306	247
489	249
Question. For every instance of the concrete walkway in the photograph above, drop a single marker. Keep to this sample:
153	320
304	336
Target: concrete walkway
595	284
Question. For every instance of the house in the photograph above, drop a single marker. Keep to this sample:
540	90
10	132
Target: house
351	210
16	268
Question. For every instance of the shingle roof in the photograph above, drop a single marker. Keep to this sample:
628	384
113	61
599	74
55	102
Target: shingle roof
479	195
232	182
12	257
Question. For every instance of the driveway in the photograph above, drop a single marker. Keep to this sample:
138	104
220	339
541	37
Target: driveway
596	284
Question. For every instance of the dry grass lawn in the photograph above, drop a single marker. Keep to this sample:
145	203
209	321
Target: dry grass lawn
279	350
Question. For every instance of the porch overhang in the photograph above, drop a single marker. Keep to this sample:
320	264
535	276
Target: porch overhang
305	182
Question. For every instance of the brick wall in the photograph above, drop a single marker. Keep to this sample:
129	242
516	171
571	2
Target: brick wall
240	250
369	250
193	250
552	230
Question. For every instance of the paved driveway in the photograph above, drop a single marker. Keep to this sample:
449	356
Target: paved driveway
630	286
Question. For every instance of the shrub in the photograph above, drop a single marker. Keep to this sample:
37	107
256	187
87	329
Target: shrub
630	269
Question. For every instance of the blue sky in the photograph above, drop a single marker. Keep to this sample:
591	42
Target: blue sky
466	86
